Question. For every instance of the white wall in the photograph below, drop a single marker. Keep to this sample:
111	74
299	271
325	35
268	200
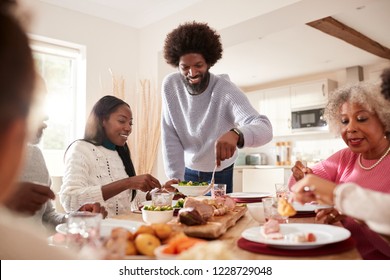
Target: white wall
108	45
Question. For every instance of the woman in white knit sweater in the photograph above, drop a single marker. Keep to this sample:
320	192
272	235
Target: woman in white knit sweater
98	168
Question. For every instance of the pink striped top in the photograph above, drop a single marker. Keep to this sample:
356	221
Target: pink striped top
343	167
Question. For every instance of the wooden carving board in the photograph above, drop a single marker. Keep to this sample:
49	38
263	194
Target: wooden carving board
216	225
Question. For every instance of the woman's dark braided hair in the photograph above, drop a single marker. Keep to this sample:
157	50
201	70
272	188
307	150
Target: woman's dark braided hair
193	37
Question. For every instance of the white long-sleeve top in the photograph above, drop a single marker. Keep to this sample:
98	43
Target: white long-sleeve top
35	171
367	205
192	123
87	169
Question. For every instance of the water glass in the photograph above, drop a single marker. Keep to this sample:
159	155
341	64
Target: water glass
162	199
270	205
218	190
83	229
282	190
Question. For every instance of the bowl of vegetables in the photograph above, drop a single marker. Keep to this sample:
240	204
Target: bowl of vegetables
190	188
157	214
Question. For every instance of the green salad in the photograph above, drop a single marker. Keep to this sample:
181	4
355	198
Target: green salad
190	183
179	203
157	208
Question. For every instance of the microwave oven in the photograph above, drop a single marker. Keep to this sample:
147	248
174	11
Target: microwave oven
308	120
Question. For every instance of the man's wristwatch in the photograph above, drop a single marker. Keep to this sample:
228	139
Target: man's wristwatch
240	142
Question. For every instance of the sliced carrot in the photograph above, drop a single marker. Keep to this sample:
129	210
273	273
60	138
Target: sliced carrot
186	244
180	243
169	250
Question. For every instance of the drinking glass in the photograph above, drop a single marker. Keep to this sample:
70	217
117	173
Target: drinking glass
270	205
162	199
282	190
83	229
218	190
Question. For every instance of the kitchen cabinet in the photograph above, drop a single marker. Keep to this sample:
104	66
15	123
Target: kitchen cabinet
311	94
237	180
276	105
261	179
255	98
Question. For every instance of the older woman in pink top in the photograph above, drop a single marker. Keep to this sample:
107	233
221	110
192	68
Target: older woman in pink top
361	115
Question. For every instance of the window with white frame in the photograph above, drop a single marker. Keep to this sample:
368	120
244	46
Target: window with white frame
62	66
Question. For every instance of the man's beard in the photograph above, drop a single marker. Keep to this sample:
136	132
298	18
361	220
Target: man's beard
196	89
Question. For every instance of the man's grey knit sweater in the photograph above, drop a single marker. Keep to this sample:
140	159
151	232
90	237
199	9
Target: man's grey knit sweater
192	123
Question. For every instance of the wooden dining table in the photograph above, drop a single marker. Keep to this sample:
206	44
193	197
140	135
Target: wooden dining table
233	234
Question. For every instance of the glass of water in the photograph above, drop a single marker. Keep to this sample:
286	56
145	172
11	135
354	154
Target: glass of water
83	229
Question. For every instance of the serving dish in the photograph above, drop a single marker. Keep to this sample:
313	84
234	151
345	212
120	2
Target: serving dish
192	190
157	217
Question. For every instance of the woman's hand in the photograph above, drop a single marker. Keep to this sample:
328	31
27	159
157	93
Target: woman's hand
299	170
145	182
313	188
168	185
329	215
94	208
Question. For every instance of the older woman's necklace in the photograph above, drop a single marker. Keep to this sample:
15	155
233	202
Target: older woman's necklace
376	163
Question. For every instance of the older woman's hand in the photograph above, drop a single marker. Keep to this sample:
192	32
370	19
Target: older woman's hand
313	188
299	170
329	215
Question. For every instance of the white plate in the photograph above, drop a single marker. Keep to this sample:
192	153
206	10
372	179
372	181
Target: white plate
107	225
308	207
325	234
246	195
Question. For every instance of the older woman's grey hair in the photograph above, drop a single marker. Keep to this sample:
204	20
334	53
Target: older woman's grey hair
368	95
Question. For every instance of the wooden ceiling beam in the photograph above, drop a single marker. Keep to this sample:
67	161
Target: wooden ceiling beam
337	29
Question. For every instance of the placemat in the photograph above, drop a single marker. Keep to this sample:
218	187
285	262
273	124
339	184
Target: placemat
261	248
304	214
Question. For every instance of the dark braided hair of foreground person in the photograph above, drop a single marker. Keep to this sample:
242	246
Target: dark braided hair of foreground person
386	83
193	37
